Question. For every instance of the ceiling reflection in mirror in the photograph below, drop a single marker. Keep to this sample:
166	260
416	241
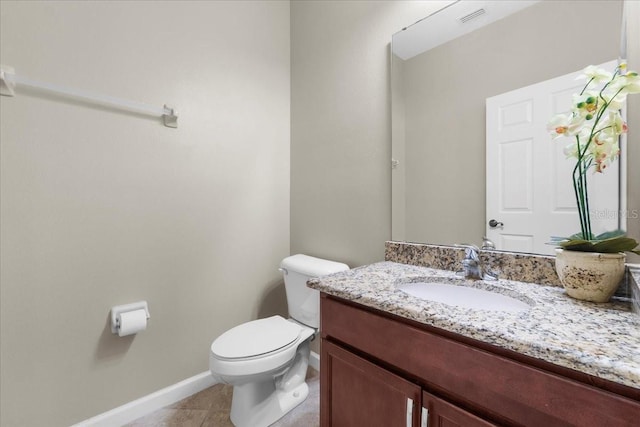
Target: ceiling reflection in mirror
444	68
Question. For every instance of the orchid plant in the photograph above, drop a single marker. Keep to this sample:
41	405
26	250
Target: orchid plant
595	124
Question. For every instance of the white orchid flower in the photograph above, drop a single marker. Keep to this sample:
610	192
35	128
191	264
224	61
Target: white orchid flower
565	125
615	97
618	125
587	104
595	74
604	150
631	82
571	150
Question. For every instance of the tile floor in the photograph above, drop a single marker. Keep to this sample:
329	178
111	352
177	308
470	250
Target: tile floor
210	408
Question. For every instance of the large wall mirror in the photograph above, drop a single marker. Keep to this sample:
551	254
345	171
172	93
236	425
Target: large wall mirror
445	68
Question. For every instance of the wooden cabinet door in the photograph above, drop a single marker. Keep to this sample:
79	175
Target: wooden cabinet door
356	393
440	413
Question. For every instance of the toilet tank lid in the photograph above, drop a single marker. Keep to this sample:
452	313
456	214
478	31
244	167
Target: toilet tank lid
311	266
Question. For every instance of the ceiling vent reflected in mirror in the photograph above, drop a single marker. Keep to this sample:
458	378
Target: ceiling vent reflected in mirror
454	20
472	15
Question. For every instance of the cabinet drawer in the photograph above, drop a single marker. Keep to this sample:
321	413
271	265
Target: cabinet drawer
493	385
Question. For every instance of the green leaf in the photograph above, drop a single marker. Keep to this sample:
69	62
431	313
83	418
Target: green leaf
577	245
577	236
618	243
610	234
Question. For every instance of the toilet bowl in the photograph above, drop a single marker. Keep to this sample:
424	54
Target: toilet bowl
266	360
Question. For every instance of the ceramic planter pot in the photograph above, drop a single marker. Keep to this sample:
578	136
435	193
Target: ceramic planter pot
590	276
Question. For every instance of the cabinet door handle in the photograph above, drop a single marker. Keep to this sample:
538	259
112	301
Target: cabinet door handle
424	420
409	412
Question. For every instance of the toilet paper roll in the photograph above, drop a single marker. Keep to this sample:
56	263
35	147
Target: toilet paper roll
132	322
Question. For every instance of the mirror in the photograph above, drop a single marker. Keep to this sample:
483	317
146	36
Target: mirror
444	68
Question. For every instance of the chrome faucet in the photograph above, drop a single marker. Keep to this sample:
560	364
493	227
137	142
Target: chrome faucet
472	267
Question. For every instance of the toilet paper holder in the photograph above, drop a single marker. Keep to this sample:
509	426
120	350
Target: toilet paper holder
119	309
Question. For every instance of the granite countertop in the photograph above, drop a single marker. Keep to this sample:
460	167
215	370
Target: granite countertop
602	340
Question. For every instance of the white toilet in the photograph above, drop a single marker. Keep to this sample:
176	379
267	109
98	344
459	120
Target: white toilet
266	360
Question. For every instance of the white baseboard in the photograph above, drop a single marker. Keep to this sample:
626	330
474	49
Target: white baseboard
314	361
157	400
145	405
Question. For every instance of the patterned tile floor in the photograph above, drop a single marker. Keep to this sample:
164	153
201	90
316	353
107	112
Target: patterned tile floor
210	408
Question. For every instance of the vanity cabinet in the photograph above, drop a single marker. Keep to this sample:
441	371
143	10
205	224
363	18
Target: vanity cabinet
361	393
379	369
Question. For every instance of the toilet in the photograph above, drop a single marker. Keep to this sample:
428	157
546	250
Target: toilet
266	360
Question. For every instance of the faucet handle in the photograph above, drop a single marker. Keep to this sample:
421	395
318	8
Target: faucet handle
487	243
471	251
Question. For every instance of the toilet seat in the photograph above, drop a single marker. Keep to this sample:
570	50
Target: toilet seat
243	365
256	338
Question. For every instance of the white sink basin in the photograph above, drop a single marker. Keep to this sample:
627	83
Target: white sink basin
454	292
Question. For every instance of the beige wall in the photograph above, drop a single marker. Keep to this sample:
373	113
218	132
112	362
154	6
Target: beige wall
341	125
445	90
632	17
101	208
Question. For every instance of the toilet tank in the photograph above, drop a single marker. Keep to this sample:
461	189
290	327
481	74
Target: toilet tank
304	302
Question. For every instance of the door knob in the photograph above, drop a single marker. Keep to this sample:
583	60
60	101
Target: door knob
493	223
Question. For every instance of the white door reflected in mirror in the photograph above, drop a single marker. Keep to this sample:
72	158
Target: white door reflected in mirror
528	175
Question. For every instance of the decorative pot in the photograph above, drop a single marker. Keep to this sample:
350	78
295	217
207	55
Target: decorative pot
590	276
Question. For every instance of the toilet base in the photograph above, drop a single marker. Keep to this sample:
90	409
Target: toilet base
265	412
260	404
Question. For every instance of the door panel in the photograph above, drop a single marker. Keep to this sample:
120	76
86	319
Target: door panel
355	392
529	186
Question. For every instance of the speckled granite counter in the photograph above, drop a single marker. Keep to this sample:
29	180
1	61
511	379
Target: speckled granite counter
598	339
634	285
